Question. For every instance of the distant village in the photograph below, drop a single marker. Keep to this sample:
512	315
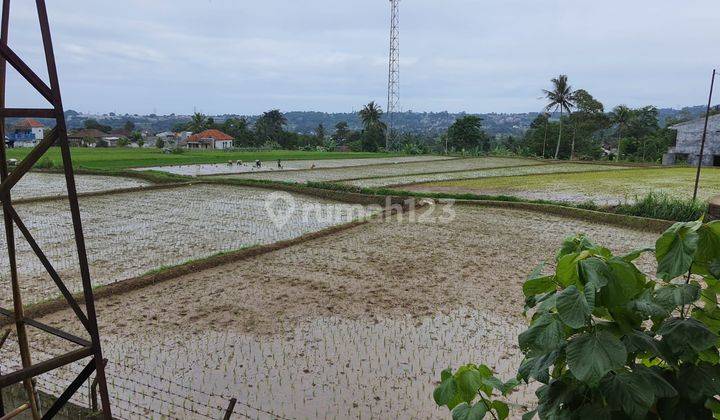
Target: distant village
28	132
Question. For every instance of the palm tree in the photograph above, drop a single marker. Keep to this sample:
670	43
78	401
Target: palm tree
198	122
621	116
371	116
561	97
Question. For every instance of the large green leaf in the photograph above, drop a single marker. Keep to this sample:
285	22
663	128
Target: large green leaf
629	392
466	412
502	409
538	367
675	249
544	335
686	337
708	250
649	307
447	391
566	272
592	355
573	308
538	285
626	283
469	381
674	295
595	270
655	381
699	382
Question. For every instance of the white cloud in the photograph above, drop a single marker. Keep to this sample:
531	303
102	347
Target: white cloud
473	55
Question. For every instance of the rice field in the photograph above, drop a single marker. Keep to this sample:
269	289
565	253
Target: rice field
37	184
481	173
388	170
239	167
352	325
132	233
607	188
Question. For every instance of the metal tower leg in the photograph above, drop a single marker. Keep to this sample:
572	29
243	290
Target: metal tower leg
58	136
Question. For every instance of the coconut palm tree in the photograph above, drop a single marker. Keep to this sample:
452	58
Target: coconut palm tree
561	98
620	115
198	122
371	115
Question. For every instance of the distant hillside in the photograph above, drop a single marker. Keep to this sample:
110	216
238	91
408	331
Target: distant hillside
429	123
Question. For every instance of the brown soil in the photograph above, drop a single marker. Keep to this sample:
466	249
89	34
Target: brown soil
386	267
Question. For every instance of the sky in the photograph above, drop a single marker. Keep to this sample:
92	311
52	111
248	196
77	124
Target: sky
245	57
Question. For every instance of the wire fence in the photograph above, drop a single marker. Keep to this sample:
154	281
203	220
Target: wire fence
136	393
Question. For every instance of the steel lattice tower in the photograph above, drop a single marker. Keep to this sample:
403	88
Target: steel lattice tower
87	348
393	68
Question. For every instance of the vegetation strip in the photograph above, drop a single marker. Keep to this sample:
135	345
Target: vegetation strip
163	274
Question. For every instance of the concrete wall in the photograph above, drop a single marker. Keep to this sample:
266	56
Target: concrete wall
689	138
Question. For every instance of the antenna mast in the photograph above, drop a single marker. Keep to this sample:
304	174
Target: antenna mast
393	69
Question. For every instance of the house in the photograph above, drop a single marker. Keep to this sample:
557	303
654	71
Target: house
689	137
27	133
209	139
89	137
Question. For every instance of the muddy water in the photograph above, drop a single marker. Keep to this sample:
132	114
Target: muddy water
325	368
270	166
130	234
41	185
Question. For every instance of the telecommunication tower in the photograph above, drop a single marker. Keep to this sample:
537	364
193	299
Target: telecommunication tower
393	68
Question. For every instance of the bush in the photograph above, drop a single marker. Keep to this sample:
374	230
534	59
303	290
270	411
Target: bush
44	163
663	206
608	341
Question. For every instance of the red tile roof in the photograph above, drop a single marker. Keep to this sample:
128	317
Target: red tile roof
29	123
209	134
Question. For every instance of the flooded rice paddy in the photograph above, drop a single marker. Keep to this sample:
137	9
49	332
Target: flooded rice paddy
35	184
358	324
479	174
349	173
132	233
286	165
326	368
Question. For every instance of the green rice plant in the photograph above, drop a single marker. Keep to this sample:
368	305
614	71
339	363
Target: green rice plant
659	205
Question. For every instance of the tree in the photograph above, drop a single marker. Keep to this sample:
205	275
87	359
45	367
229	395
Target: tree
466	133
541	122
373	135
320	133
561	98
129	126
198	122
371	115
588	118
160	143
239	129
91	123
269	127
620	115
123	142
342	132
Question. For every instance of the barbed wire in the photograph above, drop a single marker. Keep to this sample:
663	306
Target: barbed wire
209	395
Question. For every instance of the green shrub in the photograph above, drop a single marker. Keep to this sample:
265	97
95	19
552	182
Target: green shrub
608	341
663	206
44	163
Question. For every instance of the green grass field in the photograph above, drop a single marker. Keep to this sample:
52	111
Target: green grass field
123	158
602	187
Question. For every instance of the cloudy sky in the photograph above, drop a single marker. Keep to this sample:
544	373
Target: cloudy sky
241	56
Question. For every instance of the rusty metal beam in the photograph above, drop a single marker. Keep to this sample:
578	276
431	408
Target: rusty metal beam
57	137
44	366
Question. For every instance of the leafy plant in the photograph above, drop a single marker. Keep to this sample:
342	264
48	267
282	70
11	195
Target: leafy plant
609	341
458	391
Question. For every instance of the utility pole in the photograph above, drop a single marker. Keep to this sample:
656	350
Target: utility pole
393	69
704	136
